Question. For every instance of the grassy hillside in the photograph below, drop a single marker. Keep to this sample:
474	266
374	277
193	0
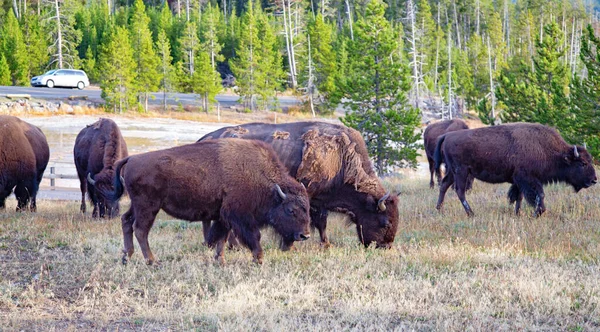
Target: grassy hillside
60	271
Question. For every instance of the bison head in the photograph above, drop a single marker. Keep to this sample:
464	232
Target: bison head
103	185
579	171
289	216
377	220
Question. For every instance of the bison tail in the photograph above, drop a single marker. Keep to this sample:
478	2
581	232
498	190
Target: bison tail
437	155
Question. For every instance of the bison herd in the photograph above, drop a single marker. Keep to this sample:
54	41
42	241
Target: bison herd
239	179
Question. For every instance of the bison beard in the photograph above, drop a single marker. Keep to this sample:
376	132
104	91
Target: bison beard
239	184
430	136
526	155
24	155
333	162
97	148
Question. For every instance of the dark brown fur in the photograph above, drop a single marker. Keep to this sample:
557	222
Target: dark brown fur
333	163
24	155
230	181
524	154
97	148
430	136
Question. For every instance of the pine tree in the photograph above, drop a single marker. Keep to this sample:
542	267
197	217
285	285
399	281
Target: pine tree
209	34
147	61
168	81
206	80
269	72
190	44
540	96
245	65
324	63
376	91
14	49
35	43
117	71
89	65
585	95
4	71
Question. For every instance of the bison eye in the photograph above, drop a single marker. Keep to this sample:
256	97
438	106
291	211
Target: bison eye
289	211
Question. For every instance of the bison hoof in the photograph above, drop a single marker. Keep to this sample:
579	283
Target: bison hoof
124	260
258	261
325	245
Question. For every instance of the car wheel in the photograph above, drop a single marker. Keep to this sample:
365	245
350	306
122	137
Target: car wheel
50	84
80	85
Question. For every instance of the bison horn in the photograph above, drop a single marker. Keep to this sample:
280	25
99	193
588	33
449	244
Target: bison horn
575	151
122	179
584	145
381	203
280	192
90	180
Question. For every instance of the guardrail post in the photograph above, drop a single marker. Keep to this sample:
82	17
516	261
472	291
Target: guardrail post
52	178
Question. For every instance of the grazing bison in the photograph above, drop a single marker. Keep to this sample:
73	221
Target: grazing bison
333	163
240	184
430	136
97	148
524	154
24	155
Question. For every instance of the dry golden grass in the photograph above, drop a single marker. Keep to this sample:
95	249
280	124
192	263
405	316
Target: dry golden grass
59	271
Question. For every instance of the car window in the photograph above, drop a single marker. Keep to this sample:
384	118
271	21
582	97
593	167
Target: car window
50	72
61	72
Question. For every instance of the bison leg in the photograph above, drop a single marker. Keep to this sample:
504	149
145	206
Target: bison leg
83	188
127	225
23	192
461	181
143	221
515	195
534	194
216	237
318	219
446	183
432	172
205	229
251	238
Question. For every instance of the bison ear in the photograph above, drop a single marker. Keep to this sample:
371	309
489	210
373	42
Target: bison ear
371	203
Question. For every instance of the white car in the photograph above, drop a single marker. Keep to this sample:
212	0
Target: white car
69	78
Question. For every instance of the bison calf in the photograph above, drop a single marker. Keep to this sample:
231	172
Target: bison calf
240	184
525	154
24	155
97	148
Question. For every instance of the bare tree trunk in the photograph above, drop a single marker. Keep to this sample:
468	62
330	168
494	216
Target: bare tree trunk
415	56
449	73
16	8
288	46
187	10
478	15
292	52
348	12
179	8
456	23
437	52
310	80
492	94
59	36
571	53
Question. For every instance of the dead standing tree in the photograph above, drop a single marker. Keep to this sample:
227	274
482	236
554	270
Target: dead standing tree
64	37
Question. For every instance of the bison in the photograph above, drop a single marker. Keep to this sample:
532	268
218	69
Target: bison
333	163
430	136
239	184
524	154
97	148
24	155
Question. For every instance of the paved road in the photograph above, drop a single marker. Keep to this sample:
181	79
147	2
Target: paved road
93	93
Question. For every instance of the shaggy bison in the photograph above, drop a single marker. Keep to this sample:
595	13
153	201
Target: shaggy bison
333	163
240	184
430	136
97	148
524	154
24	155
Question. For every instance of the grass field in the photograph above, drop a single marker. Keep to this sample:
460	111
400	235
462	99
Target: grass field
61	271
